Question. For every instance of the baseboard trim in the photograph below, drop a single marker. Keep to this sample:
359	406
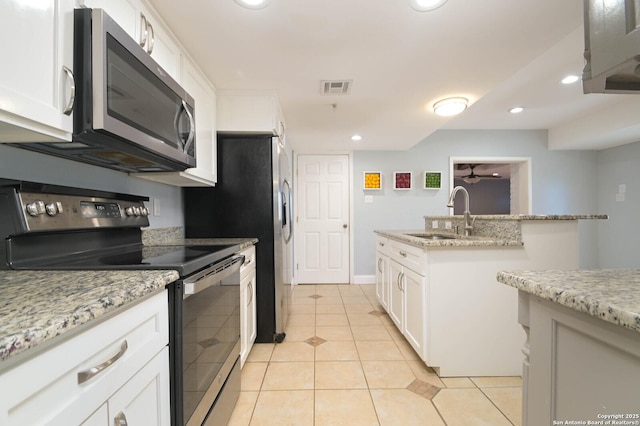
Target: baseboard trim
364	279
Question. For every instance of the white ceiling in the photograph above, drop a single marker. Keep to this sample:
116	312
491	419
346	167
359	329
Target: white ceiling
497	53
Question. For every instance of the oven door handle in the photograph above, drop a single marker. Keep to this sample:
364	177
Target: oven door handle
212	275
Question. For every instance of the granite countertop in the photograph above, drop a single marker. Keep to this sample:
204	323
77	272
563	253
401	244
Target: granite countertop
242	242
38	306
613	295
456	241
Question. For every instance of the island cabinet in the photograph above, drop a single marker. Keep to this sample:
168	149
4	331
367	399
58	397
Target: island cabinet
248	325
406	291
116	372
382	271
578	367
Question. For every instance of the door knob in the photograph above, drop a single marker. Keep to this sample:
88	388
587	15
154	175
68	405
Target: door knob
344	226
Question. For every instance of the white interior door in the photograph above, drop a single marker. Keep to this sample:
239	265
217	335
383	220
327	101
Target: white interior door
322	223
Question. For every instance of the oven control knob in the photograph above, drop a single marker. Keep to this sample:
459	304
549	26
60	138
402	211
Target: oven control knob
36	208
129	211
136	211
144	211
51	209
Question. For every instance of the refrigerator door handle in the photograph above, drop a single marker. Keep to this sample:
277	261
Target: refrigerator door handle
286	210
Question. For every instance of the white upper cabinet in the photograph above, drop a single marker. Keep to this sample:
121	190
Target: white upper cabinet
250	112
143	25
204	174
36	77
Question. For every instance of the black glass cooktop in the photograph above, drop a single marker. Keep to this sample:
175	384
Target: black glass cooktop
186	259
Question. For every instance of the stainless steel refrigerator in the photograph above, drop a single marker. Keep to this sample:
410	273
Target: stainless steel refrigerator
252	198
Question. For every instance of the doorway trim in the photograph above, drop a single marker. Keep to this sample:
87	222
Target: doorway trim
521	188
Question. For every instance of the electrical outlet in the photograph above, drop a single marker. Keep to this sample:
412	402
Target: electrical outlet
622	188
620	197
368	198
447	225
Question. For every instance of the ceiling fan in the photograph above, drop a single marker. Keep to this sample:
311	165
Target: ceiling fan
472	177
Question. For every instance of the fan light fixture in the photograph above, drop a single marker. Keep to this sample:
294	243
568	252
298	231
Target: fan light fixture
426	5
516	110
253	4
450	106
471	179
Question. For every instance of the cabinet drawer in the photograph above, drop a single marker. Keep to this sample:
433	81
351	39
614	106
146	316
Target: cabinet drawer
382	245
46	389
409	256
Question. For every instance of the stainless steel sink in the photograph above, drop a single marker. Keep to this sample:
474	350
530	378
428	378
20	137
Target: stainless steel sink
433	236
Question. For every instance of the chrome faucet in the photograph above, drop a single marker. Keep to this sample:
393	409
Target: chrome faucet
467	214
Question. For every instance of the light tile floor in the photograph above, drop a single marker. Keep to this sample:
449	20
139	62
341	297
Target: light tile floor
343	362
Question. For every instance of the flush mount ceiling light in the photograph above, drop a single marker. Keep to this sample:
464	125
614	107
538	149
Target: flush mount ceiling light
253	4
356	138
450	106
426	5
516	110
570	79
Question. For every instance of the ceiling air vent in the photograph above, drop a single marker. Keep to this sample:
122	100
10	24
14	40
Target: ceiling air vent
335	87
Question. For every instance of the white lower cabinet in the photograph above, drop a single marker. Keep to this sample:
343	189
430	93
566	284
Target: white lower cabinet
248	325
382	272
406	293
116	369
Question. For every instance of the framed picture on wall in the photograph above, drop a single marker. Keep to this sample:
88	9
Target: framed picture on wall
402	180
373	180
432	180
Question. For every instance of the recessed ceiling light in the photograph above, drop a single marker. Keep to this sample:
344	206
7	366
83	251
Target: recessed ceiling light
253	4
426	5
516	110
450	106
570	79
356	138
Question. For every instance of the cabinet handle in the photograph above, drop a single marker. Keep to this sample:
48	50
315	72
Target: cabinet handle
144	30
398	281
381	244
72	91
152	38
402	282
250	289
403	254
120	419
379	267
85	375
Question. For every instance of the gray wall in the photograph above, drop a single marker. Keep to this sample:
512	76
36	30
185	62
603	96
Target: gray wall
21	164
619	237
564	182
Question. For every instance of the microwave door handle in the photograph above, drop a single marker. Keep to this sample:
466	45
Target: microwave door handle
192	127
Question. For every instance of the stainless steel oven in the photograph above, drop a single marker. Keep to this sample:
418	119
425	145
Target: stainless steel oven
48	227
206	312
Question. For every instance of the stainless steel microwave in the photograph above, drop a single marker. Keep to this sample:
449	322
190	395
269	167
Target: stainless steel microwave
129	113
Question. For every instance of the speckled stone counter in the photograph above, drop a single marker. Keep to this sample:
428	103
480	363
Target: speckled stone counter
38	306
501	227
611	295
175	236
455	241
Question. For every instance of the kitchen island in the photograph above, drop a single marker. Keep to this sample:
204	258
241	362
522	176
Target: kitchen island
582	353
442	293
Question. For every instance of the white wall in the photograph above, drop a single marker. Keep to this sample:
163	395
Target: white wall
21	164
619	237
564	182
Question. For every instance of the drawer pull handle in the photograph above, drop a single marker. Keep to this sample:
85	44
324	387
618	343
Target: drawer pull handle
85	375
120	419
403	254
